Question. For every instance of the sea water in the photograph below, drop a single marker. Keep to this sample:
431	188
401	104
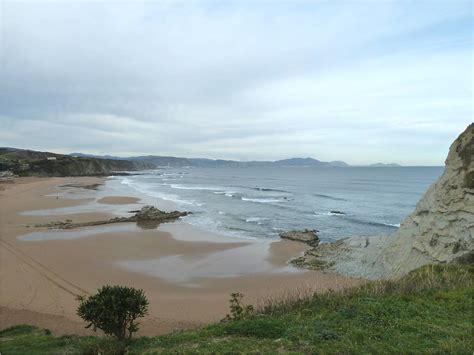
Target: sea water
262	202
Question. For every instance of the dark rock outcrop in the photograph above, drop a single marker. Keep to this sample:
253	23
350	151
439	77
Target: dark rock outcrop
146	216
307	236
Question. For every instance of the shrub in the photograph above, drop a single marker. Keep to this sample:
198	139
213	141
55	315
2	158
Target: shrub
114	310
237	309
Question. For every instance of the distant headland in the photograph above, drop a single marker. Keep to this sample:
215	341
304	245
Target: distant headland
25	162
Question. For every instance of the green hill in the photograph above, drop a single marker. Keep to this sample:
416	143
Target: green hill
428	311
33	163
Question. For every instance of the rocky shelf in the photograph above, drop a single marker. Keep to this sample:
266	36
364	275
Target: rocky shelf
308	236
145	214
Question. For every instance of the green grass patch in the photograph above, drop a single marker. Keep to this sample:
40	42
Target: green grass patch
429	311
259	327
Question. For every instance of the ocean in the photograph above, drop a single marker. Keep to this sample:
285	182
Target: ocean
262	202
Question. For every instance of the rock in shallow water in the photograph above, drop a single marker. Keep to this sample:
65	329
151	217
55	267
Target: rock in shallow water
145	214
149	213
307	236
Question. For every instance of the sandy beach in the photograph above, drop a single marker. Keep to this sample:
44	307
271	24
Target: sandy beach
186	273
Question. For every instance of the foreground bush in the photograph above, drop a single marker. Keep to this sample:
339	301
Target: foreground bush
237	310
114	310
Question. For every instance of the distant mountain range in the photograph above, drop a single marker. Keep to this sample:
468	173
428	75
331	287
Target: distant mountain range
29	162
175	162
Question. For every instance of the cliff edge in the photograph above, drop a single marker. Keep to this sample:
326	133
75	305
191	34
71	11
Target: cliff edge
24	162
440	230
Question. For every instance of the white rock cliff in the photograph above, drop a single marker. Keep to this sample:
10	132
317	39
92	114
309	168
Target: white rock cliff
440	230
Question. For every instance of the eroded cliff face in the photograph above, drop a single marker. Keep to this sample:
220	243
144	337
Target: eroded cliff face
440	230
33	163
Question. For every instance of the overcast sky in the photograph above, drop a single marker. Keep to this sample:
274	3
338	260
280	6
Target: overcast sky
360	81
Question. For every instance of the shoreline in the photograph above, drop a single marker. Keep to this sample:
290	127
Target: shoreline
186	273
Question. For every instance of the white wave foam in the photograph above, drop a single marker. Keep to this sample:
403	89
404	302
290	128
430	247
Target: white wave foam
396	225
172	198
199	188
147	191
261	200
225	193
215	226
328	214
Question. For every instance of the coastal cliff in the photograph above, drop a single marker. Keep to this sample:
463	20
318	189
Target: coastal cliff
440	230
32	163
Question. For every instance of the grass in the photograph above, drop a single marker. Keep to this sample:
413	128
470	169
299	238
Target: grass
429	311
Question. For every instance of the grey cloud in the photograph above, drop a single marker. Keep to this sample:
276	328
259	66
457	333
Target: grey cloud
207	79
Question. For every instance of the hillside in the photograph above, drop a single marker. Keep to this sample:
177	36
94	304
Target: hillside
427	311
177	162
33	163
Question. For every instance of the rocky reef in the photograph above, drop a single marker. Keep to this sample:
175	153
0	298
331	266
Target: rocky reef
147	216
440	230
308	236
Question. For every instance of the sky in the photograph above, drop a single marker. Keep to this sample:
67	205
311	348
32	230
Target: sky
359	81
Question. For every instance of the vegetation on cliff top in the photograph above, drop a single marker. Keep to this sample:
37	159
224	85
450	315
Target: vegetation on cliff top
427	311
32	163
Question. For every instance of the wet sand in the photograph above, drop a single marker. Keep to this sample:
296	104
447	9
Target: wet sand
118	200
186	273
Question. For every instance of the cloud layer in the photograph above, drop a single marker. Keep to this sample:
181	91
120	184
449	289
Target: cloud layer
360	81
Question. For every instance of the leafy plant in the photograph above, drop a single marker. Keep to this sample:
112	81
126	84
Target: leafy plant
238	311
114	310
